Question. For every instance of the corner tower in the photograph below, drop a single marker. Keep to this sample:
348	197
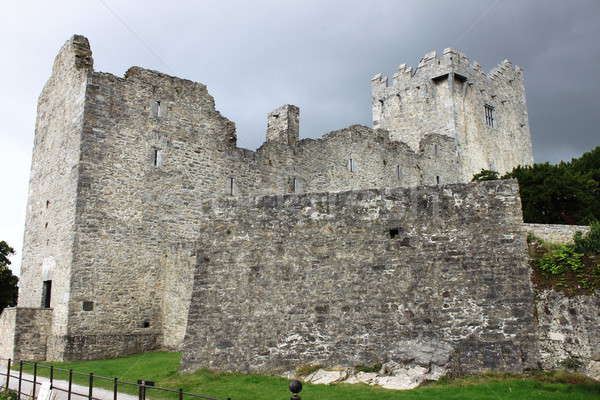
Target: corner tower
485	114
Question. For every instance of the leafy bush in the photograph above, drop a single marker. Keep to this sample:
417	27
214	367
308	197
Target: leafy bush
590	243
562	259
486	175
8	395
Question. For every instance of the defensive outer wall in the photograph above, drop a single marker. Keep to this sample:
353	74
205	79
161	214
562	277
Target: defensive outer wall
124	170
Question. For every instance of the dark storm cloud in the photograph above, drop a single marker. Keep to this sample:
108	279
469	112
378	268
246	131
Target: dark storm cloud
320	55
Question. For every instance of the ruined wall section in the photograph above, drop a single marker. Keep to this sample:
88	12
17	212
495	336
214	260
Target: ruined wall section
568	330
52	199
152	146
359	277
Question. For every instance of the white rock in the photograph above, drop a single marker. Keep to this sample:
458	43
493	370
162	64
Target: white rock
323	376
362	377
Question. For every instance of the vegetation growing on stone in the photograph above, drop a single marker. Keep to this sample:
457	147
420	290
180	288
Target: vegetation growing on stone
8	282
8	395
563	267
566	193
589	243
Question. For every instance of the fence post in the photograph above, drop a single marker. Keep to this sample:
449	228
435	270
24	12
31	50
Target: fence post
180	394
34	379
51	377
70	383
20	379
91	386
115	388
8	373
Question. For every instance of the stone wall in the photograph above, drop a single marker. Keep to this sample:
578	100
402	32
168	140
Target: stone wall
569	330
122	167
556	233
8	319
360	277
24	333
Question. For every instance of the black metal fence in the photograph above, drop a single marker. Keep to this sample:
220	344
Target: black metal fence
26	384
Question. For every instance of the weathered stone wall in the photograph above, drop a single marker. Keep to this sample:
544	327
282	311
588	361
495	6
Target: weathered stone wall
568	329
359	277
8	319
556	233
24	333
121	169
51	207
446	95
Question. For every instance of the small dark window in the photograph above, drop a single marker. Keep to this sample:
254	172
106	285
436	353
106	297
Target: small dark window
437	180
351	165
47	203
46	225
398	172
394	232
435	150
146	324
489	115
158	108
88	306
46	294
381	103
231	186
157	157
293	185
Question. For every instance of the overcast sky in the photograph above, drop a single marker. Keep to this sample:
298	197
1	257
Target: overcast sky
320	55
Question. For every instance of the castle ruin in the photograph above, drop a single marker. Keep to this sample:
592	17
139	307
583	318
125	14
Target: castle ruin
134	178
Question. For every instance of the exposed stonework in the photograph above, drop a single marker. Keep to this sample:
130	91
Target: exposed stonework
360	277
24	333
556	233
569	329
125	169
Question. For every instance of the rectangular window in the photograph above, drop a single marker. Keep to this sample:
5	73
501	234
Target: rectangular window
231	186
435	150
294	185
437	180
489	115
398	172
157	157
351	165
46	294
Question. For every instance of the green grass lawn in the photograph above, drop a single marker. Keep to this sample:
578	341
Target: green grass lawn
161	367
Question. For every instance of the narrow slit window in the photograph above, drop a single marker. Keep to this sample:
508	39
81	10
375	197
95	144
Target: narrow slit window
398	172
231	186
437	180
157	157
158	108
351	165
489	115
46	294
294	185
435	150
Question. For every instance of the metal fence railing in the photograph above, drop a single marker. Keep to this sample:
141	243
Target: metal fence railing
16	373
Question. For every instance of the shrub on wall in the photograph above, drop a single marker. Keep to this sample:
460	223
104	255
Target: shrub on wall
589	243
566	193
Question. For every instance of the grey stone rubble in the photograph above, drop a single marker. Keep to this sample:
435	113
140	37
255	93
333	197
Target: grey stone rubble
131	175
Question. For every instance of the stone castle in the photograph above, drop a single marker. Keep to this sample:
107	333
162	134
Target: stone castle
147	227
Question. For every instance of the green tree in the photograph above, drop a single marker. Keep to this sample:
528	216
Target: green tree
486	175
8	282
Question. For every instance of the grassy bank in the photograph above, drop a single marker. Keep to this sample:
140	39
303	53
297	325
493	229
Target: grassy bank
161	367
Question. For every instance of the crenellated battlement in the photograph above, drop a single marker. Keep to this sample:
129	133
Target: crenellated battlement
451	60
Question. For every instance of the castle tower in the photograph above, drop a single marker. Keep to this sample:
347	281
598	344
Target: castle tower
283	125
485	114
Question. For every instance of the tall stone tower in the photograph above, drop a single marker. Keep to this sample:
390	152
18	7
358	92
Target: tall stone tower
485	114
